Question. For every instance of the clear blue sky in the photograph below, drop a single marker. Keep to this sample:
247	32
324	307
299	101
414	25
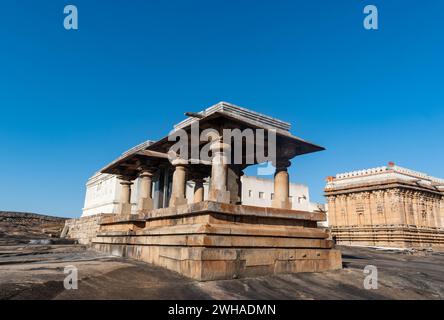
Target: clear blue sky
72	101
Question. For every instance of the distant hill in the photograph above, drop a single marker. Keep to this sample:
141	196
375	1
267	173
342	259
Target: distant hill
21	227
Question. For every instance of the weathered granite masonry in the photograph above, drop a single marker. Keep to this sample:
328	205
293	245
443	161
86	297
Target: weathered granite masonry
83	229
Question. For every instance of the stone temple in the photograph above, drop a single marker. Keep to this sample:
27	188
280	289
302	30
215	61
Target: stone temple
214	234
388	206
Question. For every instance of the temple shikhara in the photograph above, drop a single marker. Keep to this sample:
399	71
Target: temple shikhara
211	234
388	206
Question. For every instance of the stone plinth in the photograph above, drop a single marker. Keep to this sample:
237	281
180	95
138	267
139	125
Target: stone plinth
209	240
83	229
399	236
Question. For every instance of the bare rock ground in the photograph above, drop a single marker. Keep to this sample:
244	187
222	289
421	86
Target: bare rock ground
23	227
36	272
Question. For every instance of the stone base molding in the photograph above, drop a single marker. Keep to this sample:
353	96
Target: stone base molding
390	236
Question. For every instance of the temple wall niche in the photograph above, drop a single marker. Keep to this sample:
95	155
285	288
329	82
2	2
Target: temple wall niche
434	211
379	217
350	208
367	212
395	214
407	203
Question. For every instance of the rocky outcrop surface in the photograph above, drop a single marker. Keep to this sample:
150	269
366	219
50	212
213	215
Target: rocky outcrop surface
23	227
37	272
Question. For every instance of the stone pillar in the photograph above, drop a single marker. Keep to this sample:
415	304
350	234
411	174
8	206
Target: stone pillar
145	198
234	184
281	185
332	210
125	195
198	190
239	187
179	183
219	170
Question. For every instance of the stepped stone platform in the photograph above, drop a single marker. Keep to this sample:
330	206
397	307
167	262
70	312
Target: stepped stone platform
211	241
